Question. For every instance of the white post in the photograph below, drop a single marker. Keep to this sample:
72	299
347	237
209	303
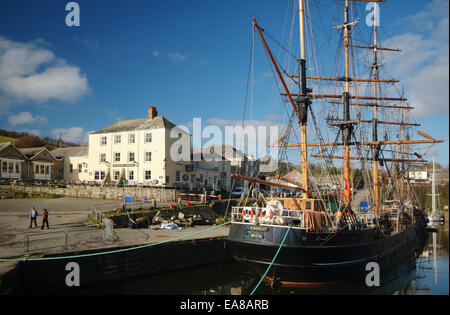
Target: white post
433	192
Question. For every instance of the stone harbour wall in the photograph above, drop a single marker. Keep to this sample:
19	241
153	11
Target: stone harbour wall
110	193
50	275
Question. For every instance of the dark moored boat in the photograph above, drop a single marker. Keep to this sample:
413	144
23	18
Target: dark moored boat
301	240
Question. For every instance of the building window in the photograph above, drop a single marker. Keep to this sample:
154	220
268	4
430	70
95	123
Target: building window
117	139
131	175
117	157
80	168
148	175
131	138
148	137
102	157
47	170
4	166
17	167
103	140
36	169
308	205
102	175
148	156
130	156
71	168
116	175
97	175
177	176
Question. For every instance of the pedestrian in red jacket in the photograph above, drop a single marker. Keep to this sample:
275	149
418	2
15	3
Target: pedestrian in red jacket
44	218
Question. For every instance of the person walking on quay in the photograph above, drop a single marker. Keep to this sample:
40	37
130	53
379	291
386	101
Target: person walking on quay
33	216
44	219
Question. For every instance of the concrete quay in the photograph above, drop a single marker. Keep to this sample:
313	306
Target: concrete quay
68	216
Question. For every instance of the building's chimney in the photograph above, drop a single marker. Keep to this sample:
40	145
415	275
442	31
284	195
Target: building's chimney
152	113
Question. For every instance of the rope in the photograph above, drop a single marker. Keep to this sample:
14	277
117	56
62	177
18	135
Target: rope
112	251
268	268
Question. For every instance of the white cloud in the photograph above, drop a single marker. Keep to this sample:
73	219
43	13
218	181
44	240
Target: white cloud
426	19
31	72
176	57
26	118
73	134
423	65
156	54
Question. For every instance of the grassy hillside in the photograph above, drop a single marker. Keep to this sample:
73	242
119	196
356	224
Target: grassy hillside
26	140
6	139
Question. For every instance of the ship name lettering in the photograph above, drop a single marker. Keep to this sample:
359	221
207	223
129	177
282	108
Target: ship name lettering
259	228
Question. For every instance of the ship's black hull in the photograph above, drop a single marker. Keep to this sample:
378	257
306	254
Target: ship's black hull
308	259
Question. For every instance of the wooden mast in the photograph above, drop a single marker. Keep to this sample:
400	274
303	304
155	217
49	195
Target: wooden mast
303	136
402	147
346	107
407	156
375	115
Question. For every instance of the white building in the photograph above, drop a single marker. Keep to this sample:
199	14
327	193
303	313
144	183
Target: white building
75	167
138	152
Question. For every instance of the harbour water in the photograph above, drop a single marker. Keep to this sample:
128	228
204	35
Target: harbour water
430	277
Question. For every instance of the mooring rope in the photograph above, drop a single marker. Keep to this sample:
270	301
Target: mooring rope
112	251
275	257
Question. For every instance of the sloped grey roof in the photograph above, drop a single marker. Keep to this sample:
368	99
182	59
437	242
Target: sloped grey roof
208	152
31	152
227	149
138	124
70	151
4	145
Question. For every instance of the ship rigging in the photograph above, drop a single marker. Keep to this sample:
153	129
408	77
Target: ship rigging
321	244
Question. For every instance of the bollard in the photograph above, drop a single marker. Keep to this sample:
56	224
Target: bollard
27	244
65	239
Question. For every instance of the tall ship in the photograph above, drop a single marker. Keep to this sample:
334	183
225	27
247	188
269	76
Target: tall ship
325	228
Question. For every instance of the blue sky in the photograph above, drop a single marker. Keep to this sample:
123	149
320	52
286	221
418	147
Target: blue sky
189	58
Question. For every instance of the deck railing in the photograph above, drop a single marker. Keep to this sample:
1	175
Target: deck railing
268	216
